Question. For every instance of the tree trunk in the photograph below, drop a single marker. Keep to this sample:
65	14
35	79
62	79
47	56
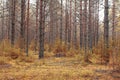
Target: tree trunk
41	31
75	25
66	23
13	22
27	32
81	25
90	27
22	29
70	25
61	26
37	19
3	22
85	31
106	32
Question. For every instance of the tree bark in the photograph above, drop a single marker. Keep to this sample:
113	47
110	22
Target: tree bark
13	22
27	32
106	32
22	29
81	24
41	32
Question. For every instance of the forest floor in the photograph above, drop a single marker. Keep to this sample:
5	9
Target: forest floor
62	68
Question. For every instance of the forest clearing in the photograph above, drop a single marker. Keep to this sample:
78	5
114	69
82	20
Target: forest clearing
56	69
59	39
14	65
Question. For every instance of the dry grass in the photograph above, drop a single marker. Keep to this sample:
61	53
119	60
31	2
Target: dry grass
15	53
53	69
3	61
69	66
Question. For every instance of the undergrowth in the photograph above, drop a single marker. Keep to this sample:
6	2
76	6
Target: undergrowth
59	49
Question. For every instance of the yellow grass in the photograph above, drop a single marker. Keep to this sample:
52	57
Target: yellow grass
52	69
14	65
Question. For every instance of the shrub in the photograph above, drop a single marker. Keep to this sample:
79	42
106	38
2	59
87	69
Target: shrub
72	52
59	49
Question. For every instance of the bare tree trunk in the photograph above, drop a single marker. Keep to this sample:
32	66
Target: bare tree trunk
85	31
70	25
90	27
61	25
113	22
93	22
113	34
41	31
66	23
81	25
75	25
3	21
27	36
22	29
37	19
51	34
13	22
97	24
106	32
9	20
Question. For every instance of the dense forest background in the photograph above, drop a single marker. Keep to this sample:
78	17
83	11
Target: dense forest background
86	32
